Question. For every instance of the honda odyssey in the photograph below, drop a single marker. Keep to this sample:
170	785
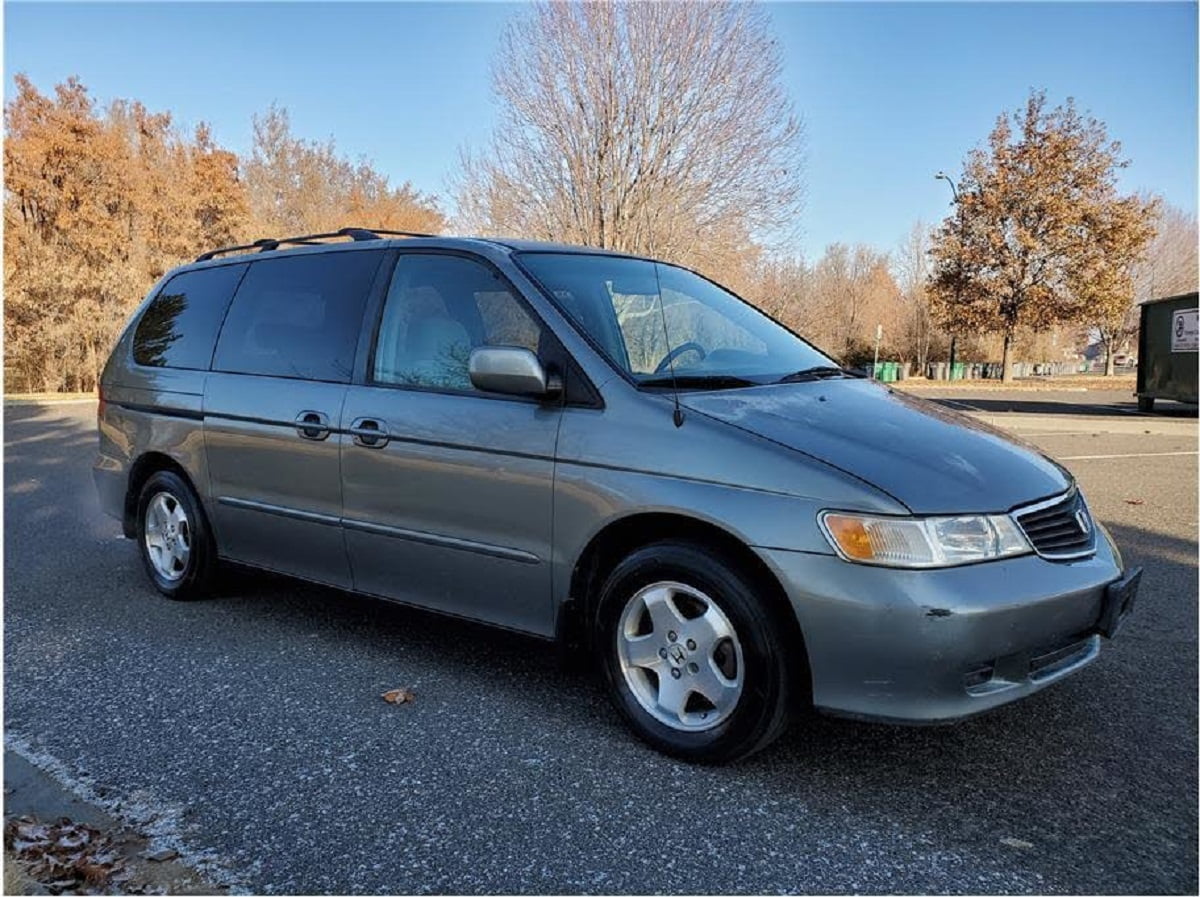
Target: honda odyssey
606	450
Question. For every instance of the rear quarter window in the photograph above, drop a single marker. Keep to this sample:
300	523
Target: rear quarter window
298	317
179	326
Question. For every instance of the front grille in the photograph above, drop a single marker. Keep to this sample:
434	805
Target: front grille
1060	528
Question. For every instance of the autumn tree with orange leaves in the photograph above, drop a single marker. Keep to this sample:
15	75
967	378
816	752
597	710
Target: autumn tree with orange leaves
96	208
100	203
1042	235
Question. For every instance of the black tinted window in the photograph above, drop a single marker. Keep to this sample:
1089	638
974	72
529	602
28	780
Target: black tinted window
298	317
439	308
179	326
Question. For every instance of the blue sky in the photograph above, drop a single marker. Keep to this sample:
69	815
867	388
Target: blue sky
889	93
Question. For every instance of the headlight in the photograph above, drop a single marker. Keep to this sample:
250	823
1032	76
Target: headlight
922	541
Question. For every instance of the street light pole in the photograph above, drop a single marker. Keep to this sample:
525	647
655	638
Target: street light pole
942	176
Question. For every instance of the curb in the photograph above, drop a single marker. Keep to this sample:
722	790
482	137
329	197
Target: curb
1019	422
48	400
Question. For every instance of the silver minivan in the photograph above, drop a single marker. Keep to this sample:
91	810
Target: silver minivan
609	451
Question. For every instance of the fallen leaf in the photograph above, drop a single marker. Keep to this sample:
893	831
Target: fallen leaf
1135	501
399	696
161	856
93	873
64	855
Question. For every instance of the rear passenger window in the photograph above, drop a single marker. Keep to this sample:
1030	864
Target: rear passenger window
439	308
298	317
179	325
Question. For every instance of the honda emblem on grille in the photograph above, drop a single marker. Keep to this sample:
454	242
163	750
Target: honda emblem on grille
1081	518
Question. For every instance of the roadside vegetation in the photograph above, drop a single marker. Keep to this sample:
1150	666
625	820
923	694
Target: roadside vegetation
668	132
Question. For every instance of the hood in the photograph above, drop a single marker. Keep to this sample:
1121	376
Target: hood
930	458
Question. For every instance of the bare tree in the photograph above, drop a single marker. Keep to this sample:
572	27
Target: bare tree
657	128
854	291
1170	265
911	266
782	287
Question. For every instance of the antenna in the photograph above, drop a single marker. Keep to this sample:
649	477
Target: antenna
678	416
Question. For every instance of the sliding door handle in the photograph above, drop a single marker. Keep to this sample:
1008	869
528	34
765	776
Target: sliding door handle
313	425
369	432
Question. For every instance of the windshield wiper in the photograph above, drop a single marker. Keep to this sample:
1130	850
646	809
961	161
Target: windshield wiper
697	381
820	372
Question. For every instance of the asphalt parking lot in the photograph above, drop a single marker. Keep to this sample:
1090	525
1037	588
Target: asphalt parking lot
250	727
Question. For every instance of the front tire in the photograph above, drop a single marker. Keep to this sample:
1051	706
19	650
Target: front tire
174	539
694	659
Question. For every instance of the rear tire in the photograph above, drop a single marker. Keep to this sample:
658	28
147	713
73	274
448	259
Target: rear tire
174	538
694	659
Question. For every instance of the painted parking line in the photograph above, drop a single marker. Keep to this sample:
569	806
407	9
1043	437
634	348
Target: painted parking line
1131	455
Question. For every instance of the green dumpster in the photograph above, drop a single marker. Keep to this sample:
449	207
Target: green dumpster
1167	351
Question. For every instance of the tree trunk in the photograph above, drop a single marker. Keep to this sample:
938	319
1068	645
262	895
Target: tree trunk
1108	360
1008	370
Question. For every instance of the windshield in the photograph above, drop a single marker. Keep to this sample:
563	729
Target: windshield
710	338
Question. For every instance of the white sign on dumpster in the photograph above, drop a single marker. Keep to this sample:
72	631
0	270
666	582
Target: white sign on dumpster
1185	334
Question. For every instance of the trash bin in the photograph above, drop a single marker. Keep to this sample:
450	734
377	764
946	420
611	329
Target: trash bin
957	372
1167	351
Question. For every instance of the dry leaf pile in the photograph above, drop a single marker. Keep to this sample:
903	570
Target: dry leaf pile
65	856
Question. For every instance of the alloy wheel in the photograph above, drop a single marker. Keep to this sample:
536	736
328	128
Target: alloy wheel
680	656
168	536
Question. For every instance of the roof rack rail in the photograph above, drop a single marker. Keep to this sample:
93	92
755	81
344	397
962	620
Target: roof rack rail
356	234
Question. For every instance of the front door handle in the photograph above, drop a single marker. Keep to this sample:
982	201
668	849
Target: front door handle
313	425
369	432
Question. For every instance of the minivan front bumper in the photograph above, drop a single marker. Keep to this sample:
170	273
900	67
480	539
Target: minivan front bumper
928	646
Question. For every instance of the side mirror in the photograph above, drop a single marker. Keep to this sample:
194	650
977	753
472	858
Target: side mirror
512	371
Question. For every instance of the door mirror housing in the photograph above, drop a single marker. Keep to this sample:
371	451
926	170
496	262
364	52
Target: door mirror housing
512	371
